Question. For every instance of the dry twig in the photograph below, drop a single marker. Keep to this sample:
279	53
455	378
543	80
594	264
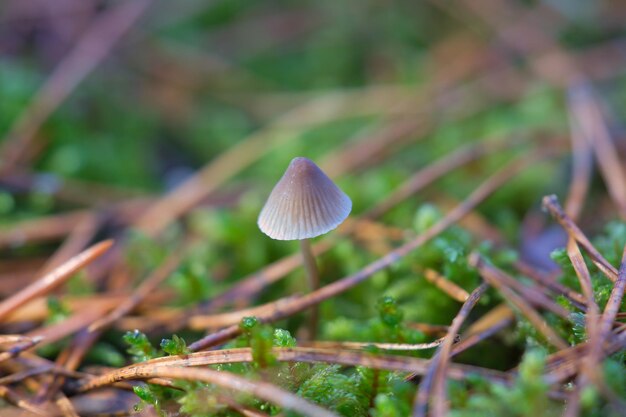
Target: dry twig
53	279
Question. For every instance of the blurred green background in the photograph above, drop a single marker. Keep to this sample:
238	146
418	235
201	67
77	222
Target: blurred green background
103	103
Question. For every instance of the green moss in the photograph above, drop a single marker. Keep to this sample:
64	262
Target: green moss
341	393
139	347
174	346
528	396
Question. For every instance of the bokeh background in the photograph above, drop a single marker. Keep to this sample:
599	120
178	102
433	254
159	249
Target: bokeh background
109	105
149	121
137	95
141	112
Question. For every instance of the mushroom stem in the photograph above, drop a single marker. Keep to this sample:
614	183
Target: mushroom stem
313	278
310	265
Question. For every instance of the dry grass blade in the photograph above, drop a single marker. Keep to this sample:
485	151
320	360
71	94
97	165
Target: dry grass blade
374	143
588	114
551	203
526	33
70	358
141	292
302	303
492	276
20	347
41	369
440	407
16	399
584	278
613	304
579	187
531	293
174	204
383	346
216	321
489	324
297	354
447	286
563	365
436	375
80	236
237	383
14	338
83	58
255	282
589	364
37	310
432	172
65	406
54	278
41	229
551	284
77	321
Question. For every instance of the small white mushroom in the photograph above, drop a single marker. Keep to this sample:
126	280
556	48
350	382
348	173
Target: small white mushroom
305	203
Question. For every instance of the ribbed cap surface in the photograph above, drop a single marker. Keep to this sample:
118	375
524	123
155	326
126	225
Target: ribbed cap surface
305	203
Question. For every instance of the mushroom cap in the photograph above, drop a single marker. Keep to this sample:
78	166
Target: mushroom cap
305	203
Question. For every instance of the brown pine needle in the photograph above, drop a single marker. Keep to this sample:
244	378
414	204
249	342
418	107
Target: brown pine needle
216	321
141	292
550	283
42	229
296	354
454	291
584	278
54	332
489	273
587	112
263	390
531	293
66	407
489	324
374	143
435	379
589	364
434	171
12	397
551	203
379	345
54	278
41	369
14	338
81	234
20	347
255	282
608	317
440	406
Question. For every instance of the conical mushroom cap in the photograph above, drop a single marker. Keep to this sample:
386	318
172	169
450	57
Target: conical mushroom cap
305	203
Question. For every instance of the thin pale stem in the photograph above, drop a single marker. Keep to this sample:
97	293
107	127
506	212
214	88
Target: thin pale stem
313	280
310	266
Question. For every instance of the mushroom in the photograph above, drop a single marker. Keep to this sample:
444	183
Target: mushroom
305	203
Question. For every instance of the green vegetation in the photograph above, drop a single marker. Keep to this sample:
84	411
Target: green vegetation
193	115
